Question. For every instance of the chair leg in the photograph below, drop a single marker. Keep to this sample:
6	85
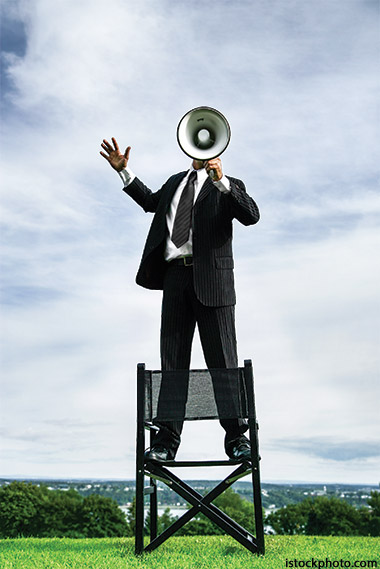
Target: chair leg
153	509
258	507
259	524
140	444
139	530
255	457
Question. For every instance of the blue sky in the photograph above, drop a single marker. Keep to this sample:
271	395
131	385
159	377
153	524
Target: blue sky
298	82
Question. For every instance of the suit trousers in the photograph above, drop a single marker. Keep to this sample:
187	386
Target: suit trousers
181	312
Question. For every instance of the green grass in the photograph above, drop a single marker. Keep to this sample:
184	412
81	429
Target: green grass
183	552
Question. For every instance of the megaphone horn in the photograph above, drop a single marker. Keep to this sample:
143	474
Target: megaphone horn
203	133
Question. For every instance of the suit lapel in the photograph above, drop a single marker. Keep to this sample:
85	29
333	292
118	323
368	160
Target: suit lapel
172	186
205	189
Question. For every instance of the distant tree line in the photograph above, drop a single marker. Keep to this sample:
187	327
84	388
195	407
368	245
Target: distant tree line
28	510
327	516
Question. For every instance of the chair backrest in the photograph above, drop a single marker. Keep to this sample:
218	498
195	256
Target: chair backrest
198	394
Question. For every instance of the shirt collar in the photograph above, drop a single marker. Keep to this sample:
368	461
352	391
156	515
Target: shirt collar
201	174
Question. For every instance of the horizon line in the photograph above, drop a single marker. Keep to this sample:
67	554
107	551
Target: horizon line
103	479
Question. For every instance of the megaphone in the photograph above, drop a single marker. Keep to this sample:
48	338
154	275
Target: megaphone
203	133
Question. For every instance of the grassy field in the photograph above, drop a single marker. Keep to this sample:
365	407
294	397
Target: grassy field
188	553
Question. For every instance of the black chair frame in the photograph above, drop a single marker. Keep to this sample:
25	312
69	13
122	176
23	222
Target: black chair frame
199	504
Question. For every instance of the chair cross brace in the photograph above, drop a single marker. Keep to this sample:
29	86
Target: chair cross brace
202	504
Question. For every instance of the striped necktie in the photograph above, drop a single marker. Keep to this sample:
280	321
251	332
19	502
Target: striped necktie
182	221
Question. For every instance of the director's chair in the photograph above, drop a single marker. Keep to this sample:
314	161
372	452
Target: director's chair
195	395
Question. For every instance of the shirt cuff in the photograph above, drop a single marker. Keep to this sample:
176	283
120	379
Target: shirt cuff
223	185
127	176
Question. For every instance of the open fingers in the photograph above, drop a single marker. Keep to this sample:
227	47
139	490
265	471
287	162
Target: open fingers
116	146
107	147
105	156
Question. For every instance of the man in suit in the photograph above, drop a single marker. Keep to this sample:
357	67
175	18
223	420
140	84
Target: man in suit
188	255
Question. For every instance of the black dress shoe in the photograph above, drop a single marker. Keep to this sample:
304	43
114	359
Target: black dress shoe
158	453
241	450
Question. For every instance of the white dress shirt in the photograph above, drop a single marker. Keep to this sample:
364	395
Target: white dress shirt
171	251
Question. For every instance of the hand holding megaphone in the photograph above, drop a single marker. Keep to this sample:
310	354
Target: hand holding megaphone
214	169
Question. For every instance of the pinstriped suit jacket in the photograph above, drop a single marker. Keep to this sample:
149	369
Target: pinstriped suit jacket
213	214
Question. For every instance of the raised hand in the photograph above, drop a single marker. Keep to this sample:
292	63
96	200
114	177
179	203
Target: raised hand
113	155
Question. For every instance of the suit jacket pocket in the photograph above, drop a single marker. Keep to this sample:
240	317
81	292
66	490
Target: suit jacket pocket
224	262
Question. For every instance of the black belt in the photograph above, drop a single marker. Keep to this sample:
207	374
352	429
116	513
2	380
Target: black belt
183	261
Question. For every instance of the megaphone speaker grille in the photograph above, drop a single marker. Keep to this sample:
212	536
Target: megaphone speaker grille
203	133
